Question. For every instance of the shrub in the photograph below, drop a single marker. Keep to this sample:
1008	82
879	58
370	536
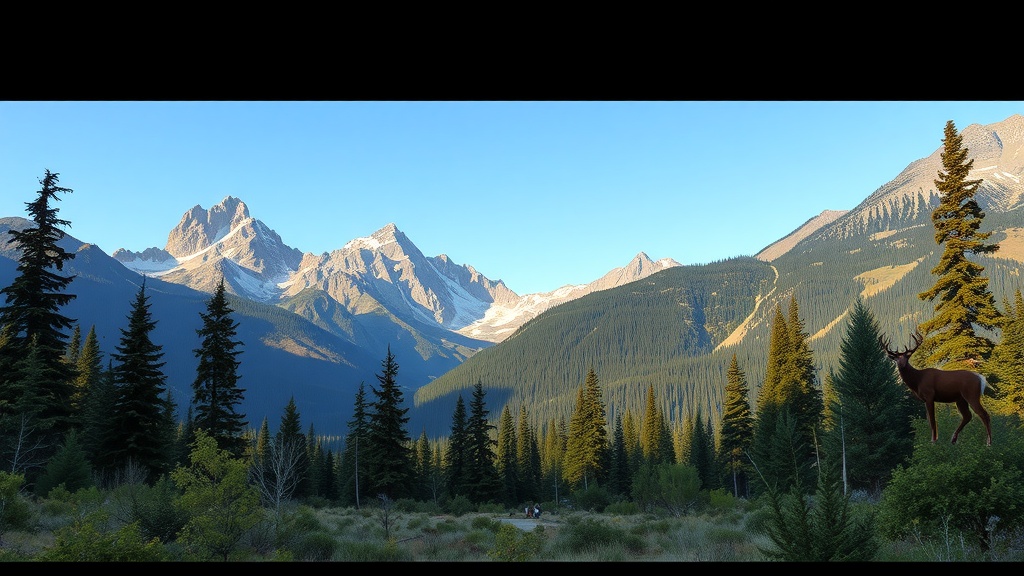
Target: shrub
317	546
460	505
624	508
513	545
84	541
15	511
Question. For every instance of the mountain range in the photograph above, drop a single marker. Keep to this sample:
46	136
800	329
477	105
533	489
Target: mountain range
316	326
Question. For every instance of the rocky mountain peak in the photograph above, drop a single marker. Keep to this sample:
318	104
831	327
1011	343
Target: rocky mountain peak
199	228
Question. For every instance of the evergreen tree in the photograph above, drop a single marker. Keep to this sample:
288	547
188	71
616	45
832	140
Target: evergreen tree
142	436
216	394
872	411
619	473
423	468
483	482
737	427
552	457
1006	365
315	456
527	458
456	459
800	389
291	442
89	367
349	475
587	455
506	460
31	316
97	425
702	452
631	437
388	446
951	339
652	432
789	391
69	466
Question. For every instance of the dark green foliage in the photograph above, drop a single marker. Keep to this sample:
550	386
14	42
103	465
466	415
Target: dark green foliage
620	473
951	337
482	481
15	510
143	429
68	466
31	317
290	441
822	528
967	487
737	428
154	508
388	446
871	411
350	470
216	394
528	458
702	453
456	458
505	458
583	535
670	487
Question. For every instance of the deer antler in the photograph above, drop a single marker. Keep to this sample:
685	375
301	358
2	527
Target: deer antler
884	343
918	338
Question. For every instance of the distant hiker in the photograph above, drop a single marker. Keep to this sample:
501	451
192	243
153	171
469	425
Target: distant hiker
529	512
536	511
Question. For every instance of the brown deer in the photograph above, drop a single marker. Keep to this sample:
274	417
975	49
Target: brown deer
931	385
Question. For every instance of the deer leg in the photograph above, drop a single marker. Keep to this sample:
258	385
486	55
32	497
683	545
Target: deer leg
983	414
930	407
965	417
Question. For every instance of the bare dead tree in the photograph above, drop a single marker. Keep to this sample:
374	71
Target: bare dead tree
27	448
276	475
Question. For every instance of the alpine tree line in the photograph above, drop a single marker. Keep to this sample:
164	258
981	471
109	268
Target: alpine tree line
69	418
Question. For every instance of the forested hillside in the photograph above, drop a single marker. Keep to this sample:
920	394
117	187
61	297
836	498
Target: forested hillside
654	331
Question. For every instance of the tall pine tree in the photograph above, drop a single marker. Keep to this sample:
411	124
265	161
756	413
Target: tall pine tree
144	431
483	483
870	415
737	428
32	317
216	394
951	337
457	454
388	446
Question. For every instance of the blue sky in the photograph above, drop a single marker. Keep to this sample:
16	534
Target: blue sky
538	194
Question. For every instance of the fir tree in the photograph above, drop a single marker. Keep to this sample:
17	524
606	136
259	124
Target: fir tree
142	436
527	458
32	315
349	474
216	394
587	455
737	427
290	442
388	446
871	413
1006	365
483	482
951	339
456	458
506	461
